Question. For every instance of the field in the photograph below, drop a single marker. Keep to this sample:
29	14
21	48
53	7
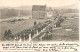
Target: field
68	31
18	26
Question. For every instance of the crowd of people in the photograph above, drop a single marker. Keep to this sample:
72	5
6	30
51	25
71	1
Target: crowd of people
24	35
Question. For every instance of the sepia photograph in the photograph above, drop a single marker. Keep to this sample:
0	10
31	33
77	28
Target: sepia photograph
39	20
38	51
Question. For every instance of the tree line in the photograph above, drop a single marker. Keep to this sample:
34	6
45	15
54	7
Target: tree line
7	13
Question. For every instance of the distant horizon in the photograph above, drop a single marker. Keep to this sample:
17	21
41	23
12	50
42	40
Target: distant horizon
74	6
51	3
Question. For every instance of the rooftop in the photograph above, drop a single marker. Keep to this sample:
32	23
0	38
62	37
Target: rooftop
38	7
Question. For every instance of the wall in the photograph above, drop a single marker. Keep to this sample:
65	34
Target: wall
38	14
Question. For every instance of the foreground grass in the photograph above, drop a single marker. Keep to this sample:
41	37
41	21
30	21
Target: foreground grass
18	26
63	34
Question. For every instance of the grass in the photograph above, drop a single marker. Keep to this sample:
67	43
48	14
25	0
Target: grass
18	26
57	34
71	15
62	34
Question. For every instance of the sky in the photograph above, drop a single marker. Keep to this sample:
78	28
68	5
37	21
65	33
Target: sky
53	3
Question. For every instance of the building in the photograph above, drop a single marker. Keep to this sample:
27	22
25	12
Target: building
49	12
39	11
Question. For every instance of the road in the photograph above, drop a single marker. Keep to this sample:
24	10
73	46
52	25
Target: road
41	34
